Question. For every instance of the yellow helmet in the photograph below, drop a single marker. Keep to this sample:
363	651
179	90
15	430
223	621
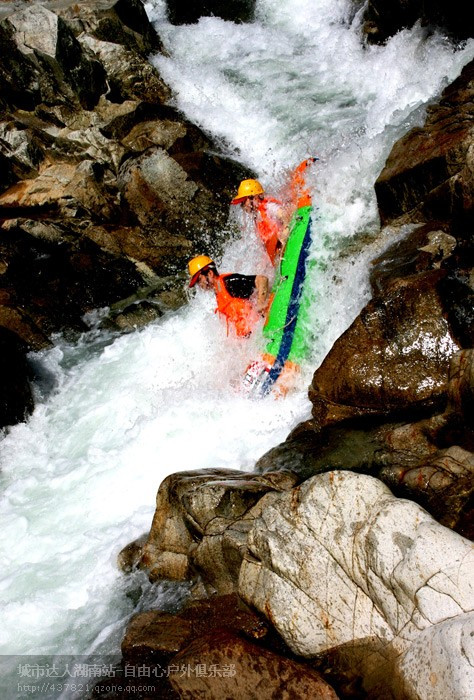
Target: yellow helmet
196	266
247	188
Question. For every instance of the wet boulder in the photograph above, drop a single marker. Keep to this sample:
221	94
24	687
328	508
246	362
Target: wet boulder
155	636
394	358
130	555
235	667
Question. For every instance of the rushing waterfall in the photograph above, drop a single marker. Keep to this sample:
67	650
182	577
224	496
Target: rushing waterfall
114	416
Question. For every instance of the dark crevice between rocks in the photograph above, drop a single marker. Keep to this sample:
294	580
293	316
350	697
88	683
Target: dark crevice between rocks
16	395
38	213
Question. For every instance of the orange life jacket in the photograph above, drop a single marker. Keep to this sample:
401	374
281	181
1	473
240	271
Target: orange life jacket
300	196
267	227
238	311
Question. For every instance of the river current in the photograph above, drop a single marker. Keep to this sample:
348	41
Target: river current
115	415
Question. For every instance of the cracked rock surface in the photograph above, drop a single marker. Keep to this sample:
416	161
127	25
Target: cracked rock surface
340	562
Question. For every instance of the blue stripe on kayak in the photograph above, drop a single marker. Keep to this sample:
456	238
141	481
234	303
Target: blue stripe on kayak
291	314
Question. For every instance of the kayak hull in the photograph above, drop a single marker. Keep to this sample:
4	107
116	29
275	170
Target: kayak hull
285	329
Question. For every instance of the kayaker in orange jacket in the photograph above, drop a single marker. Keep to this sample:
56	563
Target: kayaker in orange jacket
269	216
272	216
241	299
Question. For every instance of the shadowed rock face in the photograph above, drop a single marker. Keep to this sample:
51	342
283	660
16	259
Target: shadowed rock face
15	395
250	667
429	173
384	18
182	12
104	190
226	649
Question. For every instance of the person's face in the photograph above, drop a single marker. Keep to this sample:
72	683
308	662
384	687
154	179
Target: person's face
249	203
205	280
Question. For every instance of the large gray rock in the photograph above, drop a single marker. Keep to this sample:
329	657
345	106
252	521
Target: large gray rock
129	75
123	22
339	563
49	60
366	583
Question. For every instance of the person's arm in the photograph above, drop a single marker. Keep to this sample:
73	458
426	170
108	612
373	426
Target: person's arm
283	216
261	285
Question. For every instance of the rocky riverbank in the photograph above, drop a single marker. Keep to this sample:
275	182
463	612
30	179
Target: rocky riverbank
105	191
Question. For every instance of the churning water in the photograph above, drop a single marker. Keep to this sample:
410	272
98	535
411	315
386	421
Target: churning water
79	479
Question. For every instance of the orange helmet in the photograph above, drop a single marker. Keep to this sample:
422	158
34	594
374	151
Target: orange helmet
247	188
196	266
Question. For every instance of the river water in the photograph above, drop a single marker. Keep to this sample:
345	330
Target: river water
114	416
